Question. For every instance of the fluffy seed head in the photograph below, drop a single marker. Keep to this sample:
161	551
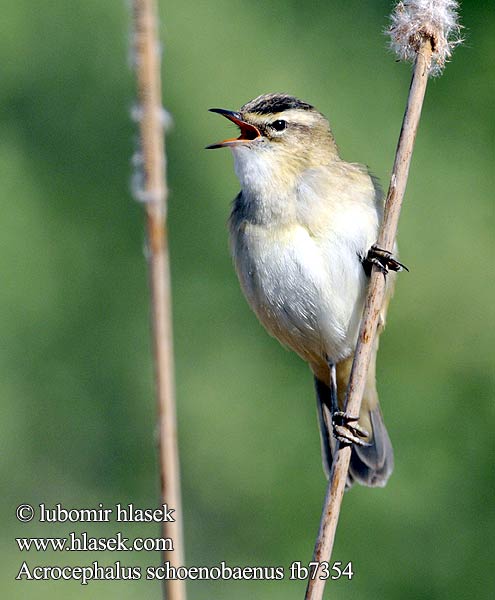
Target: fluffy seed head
413	21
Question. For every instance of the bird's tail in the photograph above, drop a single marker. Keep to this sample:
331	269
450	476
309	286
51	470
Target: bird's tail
370	465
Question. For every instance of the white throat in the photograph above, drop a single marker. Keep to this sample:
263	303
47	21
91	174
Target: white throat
270	196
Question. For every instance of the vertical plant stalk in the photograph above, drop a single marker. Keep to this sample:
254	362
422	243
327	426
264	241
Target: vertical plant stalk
421	32
374	301
155	193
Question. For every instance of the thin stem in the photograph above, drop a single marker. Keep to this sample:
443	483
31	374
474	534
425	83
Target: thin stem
374	301
147	56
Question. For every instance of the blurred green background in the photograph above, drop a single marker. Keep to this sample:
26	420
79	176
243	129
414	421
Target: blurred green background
77	423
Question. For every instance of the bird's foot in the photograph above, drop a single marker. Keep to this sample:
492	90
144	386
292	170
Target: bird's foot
347	433
384	260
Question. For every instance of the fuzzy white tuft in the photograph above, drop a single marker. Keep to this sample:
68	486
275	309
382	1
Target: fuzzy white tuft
413	21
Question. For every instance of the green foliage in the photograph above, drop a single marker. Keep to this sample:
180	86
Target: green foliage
77	422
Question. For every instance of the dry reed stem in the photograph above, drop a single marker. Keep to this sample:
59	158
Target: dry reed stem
374	301
147	57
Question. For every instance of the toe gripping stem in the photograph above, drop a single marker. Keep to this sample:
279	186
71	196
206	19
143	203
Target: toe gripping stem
384	260
346	432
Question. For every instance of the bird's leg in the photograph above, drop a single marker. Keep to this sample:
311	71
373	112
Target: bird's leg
334	402
384	260
341	420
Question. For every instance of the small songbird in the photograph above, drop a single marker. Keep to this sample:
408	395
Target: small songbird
302	233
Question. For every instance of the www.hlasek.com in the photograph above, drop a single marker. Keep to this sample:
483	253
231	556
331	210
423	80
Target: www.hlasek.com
82	542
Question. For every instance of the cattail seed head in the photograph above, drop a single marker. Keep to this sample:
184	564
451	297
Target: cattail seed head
414	21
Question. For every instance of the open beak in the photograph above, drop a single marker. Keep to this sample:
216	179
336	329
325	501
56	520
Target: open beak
248	132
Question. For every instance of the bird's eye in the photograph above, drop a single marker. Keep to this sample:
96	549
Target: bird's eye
279	125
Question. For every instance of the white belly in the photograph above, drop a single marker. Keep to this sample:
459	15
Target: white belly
307	293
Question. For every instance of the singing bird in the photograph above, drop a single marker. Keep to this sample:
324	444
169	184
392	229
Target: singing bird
302	233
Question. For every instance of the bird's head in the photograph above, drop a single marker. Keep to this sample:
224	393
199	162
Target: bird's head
279	135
